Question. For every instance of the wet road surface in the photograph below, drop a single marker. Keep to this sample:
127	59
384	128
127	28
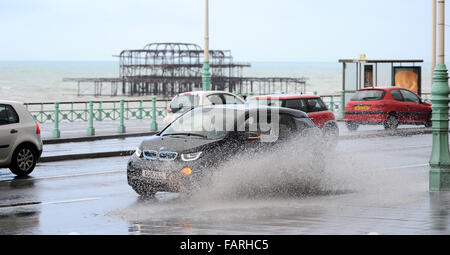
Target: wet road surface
375	185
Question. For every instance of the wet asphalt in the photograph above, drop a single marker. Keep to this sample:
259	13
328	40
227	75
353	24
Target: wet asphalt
374	185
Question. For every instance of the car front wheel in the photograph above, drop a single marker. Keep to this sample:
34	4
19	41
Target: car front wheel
144	191
23	160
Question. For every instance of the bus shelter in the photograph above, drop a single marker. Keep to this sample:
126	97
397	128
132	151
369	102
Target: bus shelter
362	73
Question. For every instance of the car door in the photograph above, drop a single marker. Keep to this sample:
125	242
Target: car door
399	106
415	110
317	111
9	129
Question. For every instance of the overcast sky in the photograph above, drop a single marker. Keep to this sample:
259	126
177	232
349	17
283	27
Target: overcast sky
254	30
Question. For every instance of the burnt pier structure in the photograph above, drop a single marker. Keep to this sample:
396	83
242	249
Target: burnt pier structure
166	69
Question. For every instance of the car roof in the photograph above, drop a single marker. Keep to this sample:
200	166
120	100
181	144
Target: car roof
382	88
205	93
10	102
249	108
284	96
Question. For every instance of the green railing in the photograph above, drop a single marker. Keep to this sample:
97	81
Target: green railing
57	112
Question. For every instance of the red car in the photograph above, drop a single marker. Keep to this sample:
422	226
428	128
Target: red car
388	106
312	105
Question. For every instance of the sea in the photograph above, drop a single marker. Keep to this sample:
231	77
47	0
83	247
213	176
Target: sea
42	81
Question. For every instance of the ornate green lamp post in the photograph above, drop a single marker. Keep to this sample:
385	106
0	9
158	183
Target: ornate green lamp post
440	159
206	78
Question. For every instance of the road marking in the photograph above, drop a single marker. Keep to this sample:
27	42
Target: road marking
69	175
402	167
28	204
395	148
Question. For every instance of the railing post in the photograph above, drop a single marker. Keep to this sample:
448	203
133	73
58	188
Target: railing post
342	105
154	125
332	103
91	130
121	115
100	111
42	113
56	132
141	108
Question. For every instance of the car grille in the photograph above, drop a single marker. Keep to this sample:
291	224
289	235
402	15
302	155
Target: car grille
162	155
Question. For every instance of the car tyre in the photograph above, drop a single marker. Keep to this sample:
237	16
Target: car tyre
351	126
23	160
429	123
144	191
391	122
331	134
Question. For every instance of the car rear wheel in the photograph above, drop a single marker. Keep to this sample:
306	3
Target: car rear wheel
331	133
429	123
23	160
391	122
351	126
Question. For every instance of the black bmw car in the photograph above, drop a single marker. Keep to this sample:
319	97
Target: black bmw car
187	151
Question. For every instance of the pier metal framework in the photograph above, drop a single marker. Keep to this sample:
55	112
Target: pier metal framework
166	69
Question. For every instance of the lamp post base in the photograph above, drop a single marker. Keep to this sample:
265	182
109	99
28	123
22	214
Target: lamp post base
439	180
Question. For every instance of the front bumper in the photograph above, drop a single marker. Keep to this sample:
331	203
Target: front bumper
367	117
176	181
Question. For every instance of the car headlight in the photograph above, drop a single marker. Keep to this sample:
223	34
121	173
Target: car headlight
191	156
138	152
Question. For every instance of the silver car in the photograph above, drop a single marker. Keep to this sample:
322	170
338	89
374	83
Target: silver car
187	101
20	138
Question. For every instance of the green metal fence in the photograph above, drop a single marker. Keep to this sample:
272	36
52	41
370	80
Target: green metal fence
57	112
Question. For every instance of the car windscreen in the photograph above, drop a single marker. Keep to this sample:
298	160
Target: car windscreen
209	123
368	95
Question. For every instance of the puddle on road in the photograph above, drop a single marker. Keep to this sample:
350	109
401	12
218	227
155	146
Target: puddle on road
291	180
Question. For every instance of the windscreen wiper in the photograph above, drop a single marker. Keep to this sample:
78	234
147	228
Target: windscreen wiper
187	134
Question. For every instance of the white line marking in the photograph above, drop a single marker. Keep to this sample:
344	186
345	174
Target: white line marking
70	175
51	203
402	167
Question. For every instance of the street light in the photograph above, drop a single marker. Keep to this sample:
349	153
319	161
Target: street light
206	77
440	159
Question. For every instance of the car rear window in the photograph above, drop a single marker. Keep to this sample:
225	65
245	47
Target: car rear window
368	95
8	115
185	100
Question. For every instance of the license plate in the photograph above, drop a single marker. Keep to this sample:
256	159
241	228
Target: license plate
154	174
362	108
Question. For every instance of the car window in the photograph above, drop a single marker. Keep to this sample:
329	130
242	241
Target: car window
265	101
286	127
8	115
409	96
12	115
397	95
229	99
297	104
315	105
3	115
368	95
215	99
